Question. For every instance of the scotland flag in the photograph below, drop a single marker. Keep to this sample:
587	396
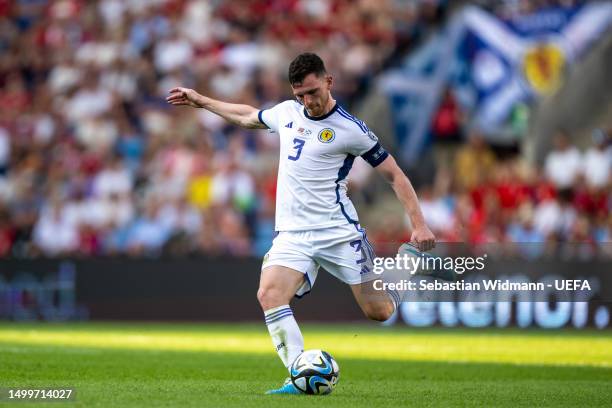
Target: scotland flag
517	60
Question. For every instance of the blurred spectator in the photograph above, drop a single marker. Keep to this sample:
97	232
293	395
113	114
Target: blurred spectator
548	216
438	214
523	232
148	233
563	163
112	179
7	233
232	186
180	217
474	162
446	126
597	161
172	52
90	101
54	233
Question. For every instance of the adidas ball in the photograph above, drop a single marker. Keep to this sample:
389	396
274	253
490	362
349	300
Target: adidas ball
315	372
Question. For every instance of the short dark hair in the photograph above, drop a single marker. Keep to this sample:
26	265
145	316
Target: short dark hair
304	65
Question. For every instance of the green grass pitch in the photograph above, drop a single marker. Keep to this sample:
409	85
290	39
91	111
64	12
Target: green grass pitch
202	365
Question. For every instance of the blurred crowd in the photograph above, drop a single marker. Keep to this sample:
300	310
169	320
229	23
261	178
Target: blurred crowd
488	197
92	160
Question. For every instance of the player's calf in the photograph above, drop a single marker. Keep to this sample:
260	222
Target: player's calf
376	305
380	311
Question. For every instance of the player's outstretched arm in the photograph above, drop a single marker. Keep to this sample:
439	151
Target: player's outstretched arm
241	115
404	191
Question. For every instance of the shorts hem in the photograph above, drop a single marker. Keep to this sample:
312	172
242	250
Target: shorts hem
363	279
281	263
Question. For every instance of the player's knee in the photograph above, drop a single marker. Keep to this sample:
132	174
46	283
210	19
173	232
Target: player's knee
262	297
269	297
380	313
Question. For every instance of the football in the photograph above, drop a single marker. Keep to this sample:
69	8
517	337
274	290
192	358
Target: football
315	372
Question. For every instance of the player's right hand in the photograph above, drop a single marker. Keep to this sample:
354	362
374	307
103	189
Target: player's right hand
184	96
423	238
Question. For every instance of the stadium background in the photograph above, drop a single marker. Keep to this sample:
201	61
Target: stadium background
117	206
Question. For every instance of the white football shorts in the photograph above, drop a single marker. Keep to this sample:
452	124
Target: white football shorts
343	251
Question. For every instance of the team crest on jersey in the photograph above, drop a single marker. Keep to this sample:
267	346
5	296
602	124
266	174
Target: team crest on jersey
327	135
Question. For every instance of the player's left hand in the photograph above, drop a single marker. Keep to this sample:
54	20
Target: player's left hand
423	238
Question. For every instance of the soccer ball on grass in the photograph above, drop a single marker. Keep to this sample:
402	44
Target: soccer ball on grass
315	372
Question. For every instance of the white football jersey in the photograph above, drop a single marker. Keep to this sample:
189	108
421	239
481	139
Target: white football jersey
316	155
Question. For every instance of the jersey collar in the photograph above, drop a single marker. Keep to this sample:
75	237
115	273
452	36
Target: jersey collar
328	114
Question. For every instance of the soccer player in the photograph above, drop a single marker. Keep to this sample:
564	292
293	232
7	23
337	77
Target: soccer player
316	222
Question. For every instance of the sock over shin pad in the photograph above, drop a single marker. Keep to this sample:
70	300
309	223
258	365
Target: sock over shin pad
285	333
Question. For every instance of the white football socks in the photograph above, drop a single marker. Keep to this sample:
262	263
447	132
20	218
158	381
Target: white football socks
395	298
285	333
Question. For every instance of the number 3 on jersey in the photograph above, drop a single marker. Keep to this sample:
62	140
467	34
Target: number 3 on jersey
298	145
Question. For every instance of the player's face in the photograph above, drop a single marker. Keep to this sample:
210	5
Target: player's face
314	94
